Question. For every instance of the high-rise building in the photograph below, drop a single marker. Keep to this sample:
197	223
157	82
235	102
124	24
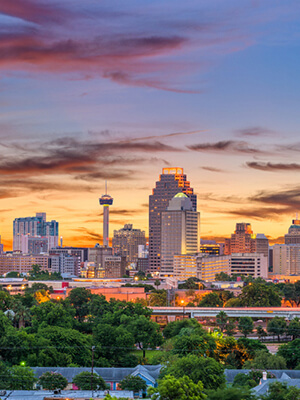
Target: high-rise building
64	264
243	240
114	267
179	232
97	256
293	235
208	267
286	259
36	227
171	182
106	200
126	242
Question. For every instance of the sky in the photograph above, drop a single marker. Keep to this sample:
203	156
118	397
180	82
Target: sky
117	90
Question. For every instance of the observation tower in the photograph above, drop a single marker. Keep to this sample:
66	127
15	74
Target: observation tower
106	200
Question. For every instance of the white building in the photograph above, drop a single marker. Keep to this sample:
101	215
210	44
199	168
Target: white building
249	264
286	259
208	267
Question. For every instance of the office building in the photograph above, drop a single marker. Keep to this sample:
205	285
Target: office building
34	227
293	235
22	263
179	232
106	200
97	255
209	247
171	182
209	266
286	259
249	264
114	267
184	266
261	245
65	264
126	242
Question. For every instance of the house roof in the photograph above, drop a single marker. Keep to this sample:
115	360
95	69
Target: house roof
71	394
278	373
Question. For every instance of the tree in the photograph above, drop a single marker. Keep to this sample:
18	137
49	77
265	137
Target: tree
211	300
264	360
52	381
223	277
174	327
193	343
21	378
190	283
204	369
157	283
249	380
231	393
134	383
145	332
259	295
79	298
158	298
170	388
221	320
245	325
37	287
261	332
12	274
293	328
276	327
291	353
86	381
22	314
230	328
281	391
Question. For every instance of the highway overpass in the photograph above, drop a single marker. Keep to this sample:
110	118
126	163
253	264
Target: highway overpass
211	312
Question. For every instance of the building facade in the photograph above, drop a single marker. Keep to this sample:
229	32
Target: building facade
209	266
171	182
34	227
286	259
293	235
249	264
65	264
180	230
114	267
22	263
126	242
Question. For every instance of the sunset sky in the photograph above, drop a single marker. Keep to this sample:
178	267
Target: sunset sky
99	90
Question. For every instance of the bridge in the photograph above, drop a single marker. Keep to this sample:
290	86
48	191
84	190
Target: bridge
211	312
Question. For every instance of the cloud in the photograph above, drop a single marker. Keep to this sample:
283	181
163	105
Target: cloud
255	131
260	213
288	198
273	167
212	169
227	146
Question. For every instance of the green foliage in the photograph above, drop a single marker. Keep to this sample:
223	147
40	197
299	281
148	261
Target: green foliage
12	274
204	369
37	274
85	381
193	344
230	328
281	391
276	326
249	380
258	294
252	345
134	383
245	325
158	298
37	287
291	353
231	353
211	300
183	388
52	381
221	320
174	327
223	277
79	298
231	393
191	283
293	328
265	360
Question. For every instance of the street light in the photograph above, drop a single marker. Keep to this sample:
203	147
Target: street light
182	303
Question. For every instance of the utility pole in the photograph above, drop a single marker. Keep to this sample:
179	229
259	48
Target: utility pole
92	375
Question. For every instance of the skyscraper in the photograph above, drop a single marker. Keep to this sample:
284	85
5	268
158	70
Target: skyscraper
34	227
106	200
293	235
126	242
179	232
171	182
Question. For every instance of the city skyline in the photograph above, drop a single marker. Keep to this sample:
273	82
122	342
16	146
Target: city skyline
207	86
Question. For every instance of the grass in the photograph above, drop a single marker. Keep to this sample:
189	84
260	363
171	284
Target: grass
149	354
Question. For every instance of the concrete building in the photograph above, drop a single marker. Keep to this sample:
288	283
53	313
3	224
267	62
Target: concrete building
241	240
64	264
261	245
97	256
171	182
179	232
286	259
126	242
22	263
208	267
184	266
209	247
34	227
114	267
249	264
293	235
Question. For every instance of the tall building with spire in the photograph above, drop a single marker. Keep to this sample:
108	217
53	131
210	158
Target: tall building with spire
293	235
171	182
106	200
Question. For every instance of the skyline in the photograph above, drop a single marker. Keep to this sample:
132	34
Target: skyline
118	91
